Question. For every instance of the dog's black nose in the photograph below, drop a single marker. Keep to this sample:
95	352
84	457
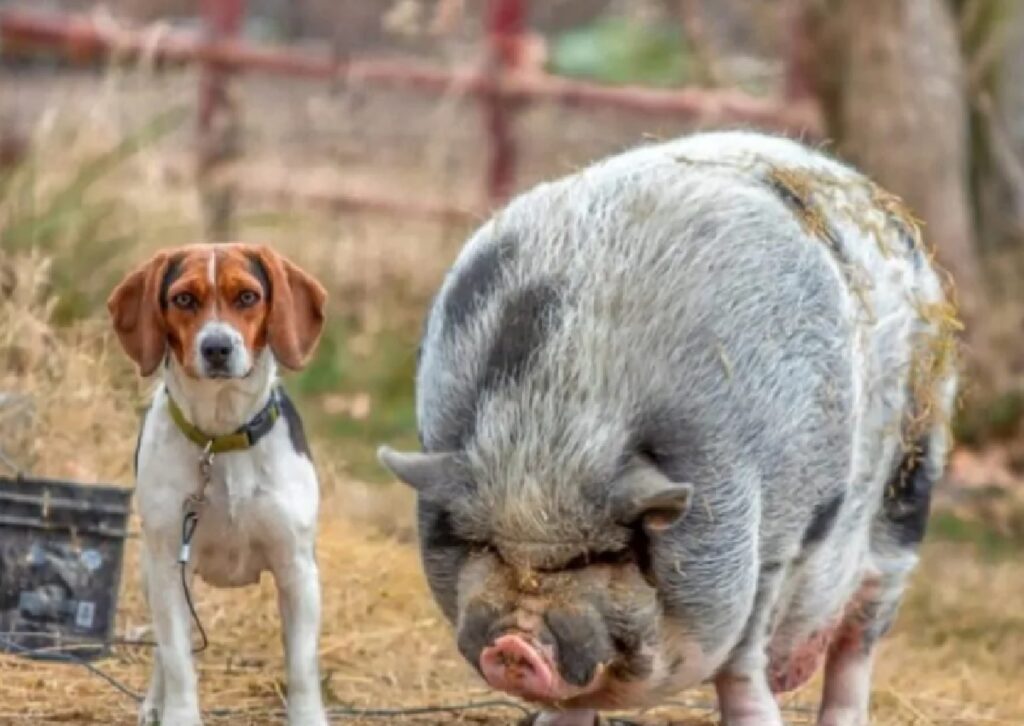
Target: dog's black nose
216	349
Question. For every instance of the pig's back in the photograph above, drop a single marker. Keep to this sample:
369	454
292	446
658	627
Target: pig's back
734	301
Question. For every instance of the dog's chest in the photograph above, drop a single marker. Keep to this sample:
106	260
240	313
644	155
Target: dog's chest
238	523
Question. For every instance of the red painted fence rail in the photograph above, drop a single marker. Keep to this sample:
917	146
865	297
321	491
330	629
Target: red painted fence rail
500	85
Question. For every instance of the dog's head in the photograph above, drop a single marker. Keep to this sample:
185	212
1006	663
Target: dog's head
216	308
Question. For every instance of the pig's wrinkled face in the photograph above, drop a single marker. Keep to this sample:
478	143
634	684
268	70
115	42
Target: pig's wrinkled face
583	634
571	624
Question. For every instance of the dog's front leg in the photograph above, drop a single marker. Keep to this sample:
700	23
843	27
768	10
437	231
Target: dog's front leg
152	708
172	626
298	594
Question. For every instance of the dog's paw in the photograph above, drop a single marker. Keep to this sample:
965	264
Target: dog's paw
307	717
149	714
306	714
181	717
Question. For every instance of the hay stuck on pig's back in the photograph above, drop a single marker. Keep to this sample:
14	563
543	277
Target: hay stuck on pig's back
815	195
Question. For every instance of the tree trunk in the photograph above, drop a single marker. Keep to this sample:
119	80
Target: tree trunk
996	53
900	114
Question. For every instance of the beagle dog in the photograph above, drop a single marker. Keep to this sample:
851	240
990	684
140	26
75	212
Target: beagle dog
225	484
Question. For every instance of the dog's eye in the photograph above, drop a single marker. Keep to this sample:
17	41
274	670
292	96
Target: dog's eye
184	300
246	299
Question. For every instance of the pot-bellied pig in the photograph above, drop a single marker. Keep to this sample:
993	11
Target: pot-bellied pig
681	415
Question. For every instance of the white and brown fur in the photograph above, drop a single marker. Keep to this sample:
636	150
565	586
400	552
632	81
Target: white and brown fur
260	508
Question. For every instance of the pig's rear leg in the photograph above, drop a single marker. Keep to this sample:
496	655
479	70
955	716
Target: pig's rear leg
895	536
744	695
847	688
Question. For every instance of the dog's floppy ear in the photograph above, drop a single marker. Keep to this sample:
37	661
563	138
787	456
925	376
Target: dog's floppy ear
296	316
135	309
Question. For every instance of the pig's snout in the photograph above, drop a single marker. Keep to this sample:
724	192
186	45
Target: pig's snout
515	665
553	658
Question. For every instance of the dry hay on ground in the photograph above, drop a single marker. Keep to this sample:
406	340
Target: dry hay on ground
956	656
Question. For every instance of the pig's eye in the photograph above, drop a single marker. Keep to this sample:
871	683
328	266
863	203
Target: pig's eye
483	548
614	557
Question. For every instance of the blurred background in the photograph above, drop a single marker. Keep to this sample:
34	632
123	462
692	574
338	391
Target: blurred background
367	138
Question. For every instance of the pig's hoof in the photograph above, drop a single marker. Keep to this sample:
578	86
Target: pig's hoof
842	717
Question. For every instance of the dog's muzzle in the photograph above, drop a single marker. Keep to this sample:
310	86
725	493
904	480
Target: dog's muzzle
221	352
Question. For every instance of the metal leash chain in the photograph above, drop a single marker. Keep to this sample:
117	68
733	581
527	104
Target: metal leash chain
189	522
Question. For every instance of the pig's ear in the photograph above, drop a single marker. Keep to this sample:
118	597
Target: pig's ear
428	474
644	493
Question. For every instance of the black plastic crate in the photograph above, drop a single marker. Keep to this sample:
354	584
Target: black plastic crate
61	551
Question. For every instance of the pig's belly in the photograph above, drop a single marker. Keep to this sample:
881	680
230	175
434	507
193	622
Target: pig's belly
793	661
790	665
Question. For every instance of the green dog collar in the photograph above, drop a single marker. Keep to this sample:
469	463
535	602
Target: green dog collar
243	438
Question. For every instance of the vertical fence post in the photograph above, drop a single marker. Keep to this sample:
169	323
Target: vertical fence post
506	21
219	123
799	84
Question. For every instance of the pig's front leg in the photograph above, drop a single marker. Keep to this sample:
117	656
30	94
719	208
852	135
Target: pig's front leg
746	700
744	695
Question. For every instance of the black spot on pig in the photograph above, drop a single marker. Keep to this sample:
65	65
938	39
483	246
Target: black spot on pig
476	281
581	643
526	318
908	496
477	630
823	519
